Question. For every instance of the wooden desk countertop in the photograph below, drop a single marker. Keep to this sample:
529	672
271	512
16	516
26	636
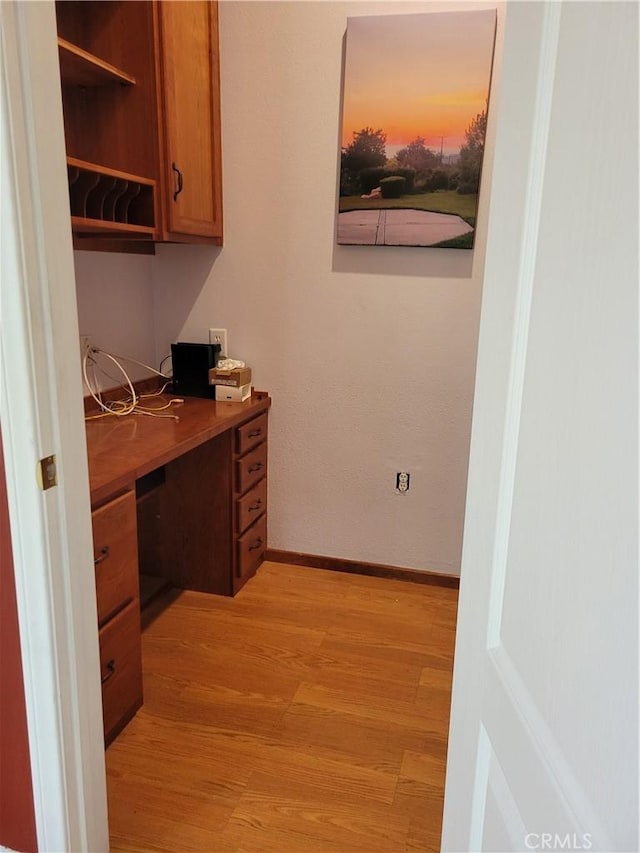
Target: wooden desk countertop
121	450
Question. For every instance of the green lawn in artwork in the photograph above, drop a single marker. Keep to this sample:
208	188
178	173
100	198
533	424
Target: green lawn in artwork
441	201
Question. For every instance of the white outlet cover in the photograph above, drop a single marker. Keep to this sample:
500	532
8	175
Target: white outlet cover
219	336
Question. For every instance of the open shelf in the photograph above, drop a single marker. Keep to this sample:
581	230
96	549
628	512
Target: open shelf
95	227
109	202
78	67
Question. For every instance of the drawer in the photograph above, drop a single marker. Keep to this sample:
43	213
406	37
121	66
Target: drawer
251	547
251	506
251	468
250	434
121	669
115	555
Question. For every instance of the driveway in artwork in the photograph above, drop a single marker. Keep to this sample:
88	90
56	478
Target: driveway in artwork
398	227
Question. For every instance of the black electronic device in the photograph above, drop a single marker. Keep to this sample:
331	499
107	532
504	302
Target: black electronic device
191	364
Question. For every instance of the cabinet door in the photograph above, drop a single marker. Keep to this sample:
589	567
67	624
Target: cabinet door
191	101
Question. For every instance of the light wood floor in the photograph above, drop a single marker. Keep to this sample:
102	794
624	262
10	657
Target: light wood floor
309	713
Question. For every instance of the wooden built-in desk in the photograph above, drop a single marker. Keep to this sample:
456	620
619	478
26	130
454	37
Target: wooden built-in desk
182	501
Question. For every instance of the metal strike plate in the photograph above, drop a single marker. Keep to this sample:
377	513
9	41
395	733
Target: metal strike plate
47	473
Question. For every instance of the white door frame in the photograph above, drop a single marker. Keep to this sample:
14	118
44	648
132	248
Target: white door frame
41	414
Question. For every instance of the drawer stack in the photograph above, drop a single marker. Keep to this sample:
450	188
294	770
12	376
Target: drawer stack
116	567
250	498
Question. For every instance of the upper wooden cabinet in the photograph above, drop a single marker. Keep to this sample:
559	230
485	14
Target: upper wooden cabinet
191	116
140	91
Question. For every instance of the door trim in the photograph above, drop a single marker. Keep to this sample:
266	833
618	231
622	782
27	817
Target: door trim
41	414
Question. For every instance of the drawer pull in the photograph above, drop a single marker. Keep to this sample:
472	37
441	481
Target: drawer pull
254	433
179	176
111	670
257	544
255	505
104	553
255	467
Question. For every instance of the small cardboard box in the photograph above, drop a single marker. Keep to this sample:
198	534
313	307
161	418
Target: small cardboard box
233	395
235	378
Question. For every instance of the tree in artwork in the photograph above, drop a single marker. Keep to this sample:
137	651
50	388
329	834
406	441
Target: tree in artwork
471	153
417	156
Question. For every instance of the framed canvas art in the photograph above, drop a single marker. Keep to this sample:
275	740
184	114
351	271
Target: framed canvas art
414	118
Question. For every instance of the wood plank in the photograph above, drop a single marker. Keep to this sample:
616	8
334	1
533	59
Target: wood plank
106	170
310	819
372	743
276	721
83	225
81	68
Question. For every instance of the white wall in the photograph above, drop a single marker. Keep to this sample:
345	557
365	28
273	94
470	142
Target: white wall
368	352
115	308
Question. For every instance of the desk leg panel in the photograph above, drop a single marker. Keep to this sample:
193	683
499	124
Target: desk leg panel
194	530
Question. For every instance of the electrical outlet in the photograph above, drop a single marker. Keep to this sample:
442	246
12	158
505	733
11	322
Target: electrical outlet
402	482
85	345
219	336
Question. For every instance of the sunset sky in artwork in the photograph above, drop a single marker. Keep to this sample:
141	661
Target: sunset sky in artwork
417	75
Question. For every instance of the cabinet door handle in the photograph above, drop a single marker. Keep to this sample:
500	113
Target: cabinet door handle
255	467
257	544
104	553
255	505
254	433
180	182
111	670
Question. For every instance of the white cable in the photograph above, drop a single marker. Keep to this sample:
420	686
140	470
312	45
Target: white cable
98	367
120	408
127	407
156	393
86	378
133	361
153	415
134	397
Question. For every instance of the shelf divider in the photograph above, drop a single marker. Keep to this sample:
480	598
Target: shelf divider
106	201
78	67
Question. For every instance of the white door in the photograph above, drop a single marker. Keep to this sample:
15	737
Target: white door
41	414
544	731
